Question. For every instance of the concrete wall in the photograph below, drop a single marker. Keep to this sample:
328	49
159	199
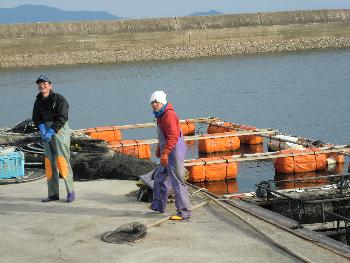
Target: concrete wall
167	38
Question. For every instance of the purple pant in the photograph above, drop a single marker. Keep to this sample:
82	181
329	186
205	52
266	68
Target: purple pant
172	176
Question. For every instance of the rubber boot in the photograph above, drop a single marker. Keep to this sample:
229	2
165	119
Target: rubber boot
71	197
51	198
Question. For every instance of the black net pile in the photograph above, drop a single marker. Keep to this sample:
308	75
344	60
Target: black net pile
91	159
131	232
27	126
118	166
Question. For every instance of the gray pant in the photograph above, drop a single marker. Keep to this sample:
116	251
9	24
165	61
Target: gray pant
57	155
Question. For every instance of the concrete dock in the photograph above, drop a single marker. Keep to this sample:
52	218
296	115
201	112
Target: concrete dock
32	231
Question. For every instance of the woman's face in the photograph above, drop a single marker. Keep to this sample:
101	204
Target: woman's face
156	106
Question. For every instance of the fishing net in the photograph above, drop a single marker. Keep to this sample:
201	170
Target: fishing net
118	166
91	159
27	126
131	232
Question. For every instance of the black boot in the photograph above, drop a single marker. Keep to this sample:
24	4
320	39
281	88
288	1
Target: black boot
51	198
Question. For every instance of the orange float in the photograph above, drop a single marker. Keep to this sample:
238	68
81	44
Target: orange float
188	128
224	127
106	133
142	151
212	171
227	127
302	163
213	145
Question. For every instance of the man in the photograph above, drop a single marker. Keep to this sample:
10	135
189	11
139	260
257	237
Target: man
171	150
50	115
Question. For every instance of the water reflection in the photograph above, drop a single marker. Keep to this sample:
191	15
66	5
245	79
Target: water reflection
308	179
220	187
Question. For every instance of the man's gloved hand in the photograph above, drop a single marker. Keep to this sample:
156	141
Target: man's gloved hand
157	151
48	135
164	159
42	130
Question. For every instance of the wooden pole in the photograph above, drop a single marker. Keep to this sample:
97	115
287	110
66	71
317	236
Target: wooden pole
264	156
238	127
209	136
153	124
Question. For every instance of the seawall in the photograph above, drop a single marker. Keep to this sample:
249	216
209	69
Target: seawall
69	43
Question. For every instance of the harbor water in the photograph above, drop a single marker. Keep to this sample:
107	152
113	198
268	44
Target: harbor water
304	94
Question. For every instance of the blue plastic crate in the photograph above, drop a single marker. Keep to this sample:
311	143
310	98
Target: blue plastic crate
12	165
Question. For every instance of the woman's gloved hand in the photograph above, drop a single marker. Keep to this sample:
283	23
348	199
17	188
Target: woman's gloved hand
164	159
48	135
42	130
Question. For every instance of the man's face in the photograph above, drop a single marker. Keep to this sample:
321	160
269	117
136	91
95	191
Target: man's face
44	88
156	106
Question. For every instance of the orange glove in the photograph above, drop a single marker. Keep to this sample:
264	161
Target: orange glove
157	151
164	159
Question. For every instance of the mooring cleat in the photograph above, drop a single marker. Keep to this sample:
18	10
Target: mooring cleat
51	198
70	197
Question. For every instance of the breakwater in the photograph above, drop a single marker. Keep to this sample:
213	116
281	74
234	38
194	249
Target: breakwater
91	42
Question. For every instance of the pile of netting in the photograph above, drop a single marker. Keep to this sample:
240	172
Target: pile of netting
91	159
87	166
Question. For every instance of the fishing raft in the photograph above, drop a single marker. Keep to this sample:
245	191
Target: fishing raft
301	190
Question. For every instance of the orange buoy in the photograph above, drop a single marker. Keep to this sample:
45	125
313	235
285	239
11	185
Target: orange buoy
300	164
224	127
229	127
106	133
213	145
250	139
142	151
213	171
188	128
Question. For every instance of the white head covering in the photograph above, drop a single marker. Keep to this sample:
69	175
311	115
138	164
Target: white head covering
159	96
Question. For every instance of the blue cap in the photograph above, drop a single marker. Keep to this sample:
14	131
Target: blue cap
43	78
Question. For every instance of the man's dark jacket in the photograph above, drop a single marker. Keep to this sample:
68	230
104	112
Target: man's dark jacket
54	109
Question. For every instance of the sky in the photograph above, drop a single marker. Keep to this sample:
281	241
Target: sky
171	8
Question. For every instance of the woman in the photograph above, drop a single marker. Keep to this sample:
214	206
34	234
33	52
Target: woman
171	150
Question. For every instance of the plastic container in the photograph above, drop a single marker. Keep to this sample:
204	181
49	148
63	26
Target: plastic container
11	165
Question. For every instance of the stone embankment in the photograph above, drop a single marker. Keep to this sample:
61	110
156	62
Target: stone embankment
93	42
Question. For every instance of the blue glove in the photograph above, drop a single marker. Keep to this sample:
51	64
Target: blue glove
42	130
48	135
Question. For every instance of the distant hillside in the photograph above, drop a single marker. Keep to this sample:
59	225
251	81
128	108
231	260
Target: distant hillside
40	13
209	13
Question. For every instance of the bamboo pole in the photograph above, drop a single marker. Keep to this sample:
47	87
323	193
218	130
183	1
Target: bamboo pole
236	127
265	156
153	124
209	136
